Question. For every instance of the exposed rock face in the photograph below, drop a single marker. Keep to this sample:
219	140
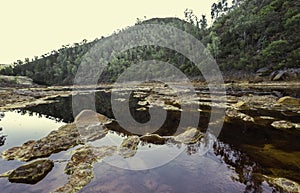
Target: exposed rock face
190	136
80	166
129	146
31	173
62	139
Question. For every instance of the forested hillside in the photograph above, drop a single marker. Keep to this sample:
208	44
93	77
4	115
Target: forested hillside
258	33
246	35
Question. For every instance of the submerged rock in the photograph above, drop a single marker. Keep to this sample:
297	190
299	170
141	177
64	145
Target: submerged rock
190	136
31	173
80	167
129	146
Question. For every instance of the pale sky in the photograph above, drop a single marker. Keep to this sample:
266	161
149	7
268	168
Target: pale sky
31	28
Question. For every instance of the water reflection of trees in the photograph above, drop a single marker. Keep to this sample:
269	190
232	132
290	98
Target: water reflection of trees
2	137
248	172
37	114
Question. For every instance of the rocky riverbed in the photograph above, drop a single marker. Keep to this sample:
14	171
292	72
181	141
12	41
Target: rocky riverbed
268	112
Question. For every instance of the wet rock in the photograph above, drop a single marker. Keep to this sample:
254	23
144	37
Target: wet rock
263	120
265	71
287	100
190	136
142	103
257	79
233	115
80	167
153	138
129	146
241	105
142	109
284	184
285	125
93	132
88	117
31	173
59	140
279	75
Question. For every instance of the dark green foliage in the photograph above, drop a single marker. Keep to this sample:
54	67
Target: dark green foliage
246	35
259	34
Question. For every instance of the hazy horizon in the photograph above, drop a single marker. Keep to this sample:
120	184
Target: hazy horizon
32	28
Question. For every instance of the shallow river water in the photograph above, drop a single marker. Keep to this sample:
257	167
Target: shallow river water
225	168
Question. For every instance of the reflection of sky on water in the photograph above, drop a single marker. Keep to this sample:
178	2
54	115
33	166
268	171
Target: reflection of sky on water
186	173
20	128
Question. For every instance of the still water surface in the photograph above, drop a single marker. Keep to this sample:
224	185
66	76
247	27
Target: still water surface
189	172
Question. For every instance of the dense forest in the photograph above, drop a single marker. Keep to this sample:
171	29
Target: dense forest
245	35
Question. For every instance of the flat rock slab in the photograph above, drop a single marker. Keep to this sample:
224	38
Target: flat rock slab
59	140
80	167
190	136
31	173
